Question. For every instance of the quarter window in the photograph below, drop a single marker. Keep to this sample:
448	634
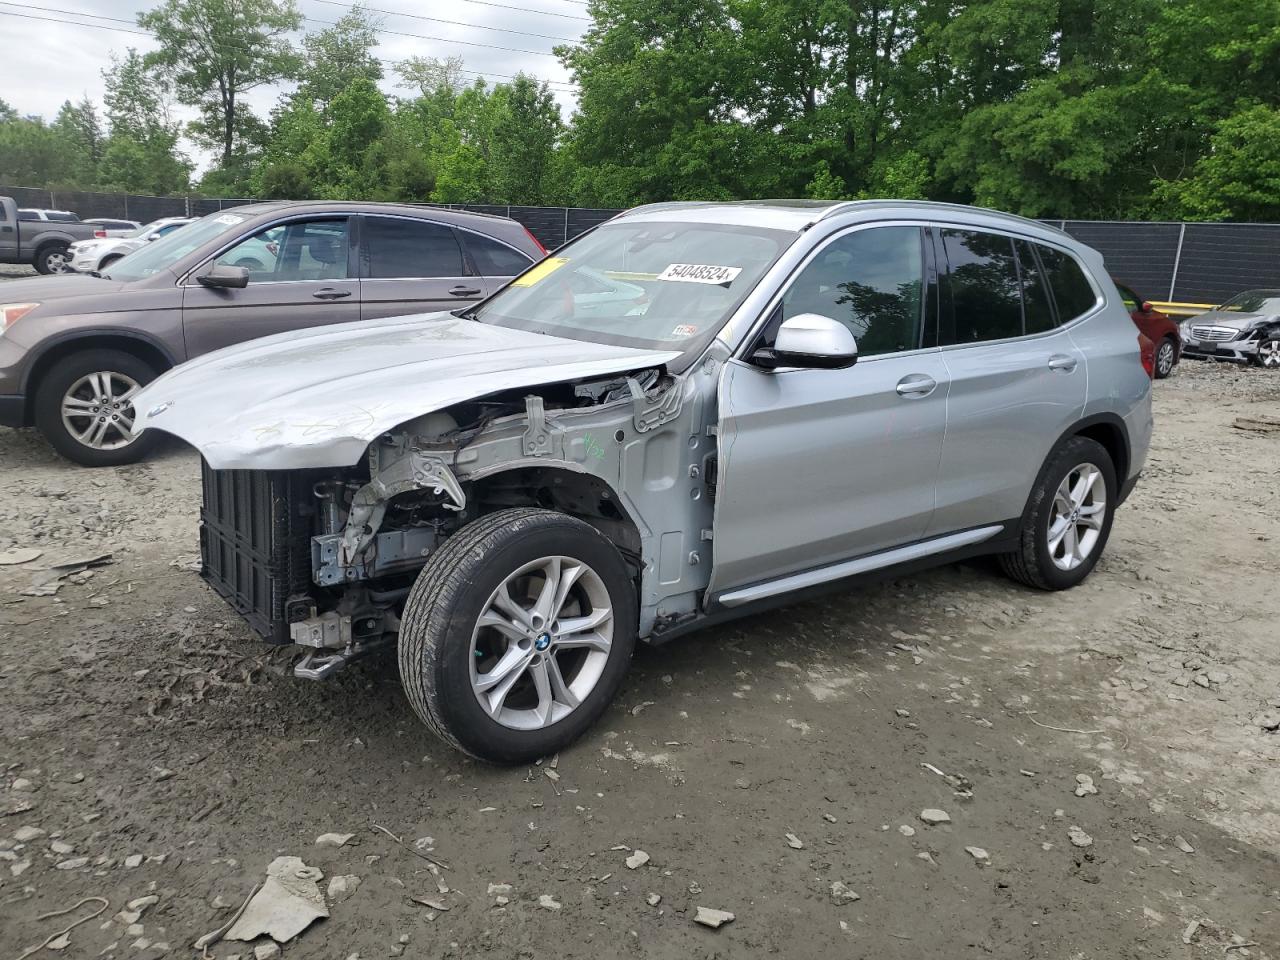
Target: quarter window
1037	313
494	259
984	287
409	249
870	281
1071	289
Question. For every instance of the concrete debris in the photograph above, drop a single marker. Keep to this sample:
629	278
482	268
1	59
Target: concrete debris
907	831
1155	916
334	839
435	903
551	775
266	951
1085	786
794	842
840	892
22	785
18	555
902	713
653	899
637	860
1269	722
1181	843
1190	931
829	818
75	863
1200	680
933	816
978	854
639	707
61	847
342	887
133	860
927	857
548	902
712	918
27	834
499	889
1079	838
59	942
288	902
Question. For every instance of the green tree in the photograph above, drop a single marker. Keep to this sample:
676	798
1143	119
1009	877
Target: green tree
526	131
78	126
339	55
141	152
1239	178
216	51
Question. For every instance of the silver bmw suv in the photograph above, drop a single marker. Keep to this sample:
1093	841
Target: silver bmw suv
692	412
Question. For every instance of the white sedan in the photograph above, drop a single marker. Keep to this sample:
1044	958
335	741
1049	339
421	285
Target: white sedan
88	256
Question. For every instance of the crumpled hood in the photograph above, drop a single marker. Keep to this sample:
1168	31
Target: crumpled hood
1227	318
319	397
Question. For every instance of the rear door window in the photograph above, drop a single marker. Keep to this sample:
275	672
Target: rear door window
404	249
1071	289
494	259
1037	310
983	286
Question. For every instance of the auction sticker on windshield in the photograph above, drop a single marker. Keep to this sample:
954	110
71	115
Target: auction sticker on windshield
700	273
539	272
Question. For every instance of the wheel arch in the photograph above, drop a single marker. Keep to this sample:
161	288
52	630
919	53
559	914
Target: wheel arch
138	345
573	492
1109	430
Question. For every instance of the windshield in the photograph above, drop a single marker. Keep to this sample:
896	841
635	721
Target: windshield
1254	301
154	257
652	285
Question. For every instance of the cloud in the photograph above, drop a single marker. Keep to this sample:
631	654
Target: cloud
46	63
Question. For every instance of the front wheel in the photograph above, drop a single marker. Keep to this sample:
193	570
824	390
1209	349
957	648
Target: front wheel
1068	518
1166	357
517	634
1269	352
53	259
84	408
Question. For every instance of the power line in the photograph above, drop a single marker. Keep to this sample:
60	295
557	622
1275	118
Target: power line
507	6
74	23
465	43
455	23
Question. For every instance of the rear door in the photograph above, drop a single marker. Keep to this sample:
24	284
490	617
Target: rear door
409	265
300	275
1018	381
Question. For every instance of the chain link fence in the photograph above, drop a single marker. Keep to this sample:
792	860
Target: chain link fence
1163	261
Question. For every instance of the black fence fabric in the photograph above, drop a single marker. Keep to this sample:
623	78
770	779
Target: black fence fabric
1181	262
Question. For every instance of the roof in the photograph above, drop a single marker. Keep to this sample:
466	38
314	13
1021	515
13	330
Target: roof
797	215
354	206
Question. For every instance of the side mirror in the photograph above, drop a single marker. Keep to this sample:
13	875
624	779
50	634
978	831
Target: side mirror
810	340
153	238
222	276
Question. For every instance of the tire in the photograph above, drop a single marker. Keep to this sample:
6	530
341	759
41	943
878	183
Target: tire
444	653
1034	563
52	259
72	379
1269	352
1166	358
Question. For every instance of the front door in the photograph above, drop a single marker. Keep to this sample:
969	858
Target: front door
299	276
408	265
820	466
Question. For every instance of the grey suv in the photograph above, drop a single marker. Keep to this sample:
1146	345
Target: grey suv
775	397
74	349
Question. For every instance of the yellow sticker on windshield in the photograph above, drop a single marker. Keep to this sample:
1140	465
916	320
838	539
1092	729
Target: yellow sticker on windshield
540	272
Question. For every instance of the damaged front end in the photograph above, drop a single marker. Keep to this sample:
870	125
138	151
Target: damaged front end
325	557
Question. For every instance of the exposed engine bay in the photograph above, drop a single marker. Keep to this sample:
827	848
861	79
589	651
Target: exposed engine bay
325	557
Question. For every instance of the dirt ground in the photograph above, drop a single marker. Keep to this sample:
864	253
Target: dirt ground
140	720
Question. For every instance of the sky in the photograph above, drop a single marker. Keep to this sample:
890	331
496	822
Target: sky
45	63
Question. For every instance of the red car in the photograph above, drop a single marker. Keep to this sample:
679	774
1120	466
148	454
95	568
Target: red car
1158	327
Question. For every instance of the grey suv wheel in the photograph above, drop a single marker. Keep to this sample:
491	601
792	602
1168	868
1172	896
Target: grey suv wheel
84	407
517	634
1068	518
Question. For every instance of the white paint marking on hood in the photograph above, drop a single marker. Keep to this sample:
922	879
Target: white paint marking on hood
319	397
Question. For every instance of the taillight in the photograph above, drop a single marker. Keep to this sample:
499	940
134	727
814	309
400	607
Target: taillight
536	243
100	234
1147	350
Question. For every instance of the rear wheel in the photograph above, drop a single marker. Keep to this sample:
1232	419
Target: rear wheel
517	634
84	407
53	259
1068	518
1269	352
1166	357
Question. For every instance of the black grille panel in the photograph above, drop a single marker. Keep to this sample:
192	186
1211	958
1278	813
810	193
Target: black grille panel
255	543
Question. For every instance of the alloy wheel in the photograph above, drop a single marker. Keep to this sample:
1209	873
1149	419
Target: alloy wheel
58	262
1164	359
541	643
1269	353
1075	522
97	410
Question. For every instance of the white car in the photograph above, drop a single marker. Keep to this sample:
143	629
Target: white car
111	227
91	256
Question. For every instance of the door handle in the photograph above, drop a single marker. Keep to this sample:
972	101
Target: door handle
1060	361
916	385
461	291
328	293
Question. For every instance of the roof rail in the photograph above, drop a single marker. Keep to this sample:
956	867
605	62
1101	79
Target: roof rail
932	205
